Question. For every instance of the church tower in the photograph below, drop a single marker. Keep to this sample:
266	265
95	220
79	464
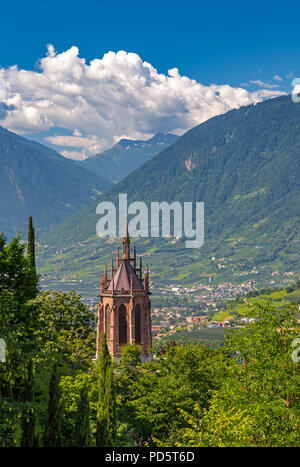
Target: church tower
124	311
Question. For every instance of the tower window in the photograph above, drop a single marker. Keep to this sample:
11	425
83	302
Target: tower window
137	320
107	322
122	325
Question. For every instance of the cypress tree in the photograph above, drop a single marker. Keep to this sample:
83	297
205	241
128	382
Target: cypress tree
31	246
82	421
105	434
52	434
110	408
101	432
28	417
33	286
104	361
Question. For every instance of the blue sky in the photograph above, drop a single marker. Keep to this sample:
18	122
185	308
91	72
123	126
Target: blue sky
211	42
216	41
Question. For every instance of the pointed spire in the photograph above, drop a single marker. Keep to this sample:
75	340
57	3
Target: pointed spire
111	268
103	280
141	268
112	275
134	257
146	281
126	234
126	242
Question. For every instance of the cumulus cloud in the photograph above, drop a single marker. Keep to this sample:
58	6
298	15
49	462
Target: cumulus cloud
277	78
109	98
89	144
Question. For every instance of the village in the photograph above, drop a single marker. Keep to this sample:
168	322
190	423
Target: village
198	309
176	308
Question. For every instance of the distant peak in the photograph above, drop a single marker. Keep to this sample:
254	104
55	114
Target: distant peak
163	138
158	138
129	142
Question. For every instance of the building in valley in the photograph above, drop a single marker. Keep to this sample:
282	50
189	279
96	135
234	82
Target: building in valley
124	311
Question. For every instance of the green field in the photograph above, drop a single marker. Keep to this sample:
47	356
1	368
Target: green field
213	337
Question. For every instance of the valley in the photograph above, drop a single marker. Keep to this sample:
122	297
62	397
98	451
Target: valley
245	166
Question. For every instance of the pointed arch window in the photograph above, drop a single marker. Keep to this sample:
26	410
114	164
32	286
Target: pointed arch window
107	322
122	325
137	323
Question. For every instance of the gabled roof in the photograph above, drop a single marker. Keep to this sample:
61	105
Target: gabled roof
123	276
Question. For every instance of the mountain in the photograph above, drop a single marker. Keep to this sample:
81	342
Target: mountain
245	166
37	181
127	155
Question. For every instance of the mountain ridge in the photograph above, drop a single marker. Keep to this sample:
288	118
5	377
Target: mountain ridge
37	181
127	155
245	166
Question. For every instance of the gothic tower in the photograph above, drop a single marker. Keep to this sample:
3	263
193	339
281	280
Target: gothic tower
124	311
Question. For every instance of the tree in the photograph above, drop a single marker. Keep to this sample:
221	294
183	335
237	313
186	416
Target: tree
29	416
106	417
31	246
128	372
130	359
66	337
72	389
104	361
18	326
110	408
15	274
66	331
82	421
176	380
263	380
215	427
52	434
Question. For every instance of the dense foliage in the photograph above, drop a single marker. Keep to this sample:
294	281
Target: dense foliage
53	392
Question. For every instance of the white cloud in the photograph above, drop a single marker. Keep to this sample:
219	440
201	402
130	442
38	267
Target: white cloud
75	155
90	144
263	84
277	78
269	94
108	98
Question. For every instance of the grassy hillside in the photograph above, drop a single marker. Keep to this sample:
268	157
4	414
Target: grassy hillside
280	298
